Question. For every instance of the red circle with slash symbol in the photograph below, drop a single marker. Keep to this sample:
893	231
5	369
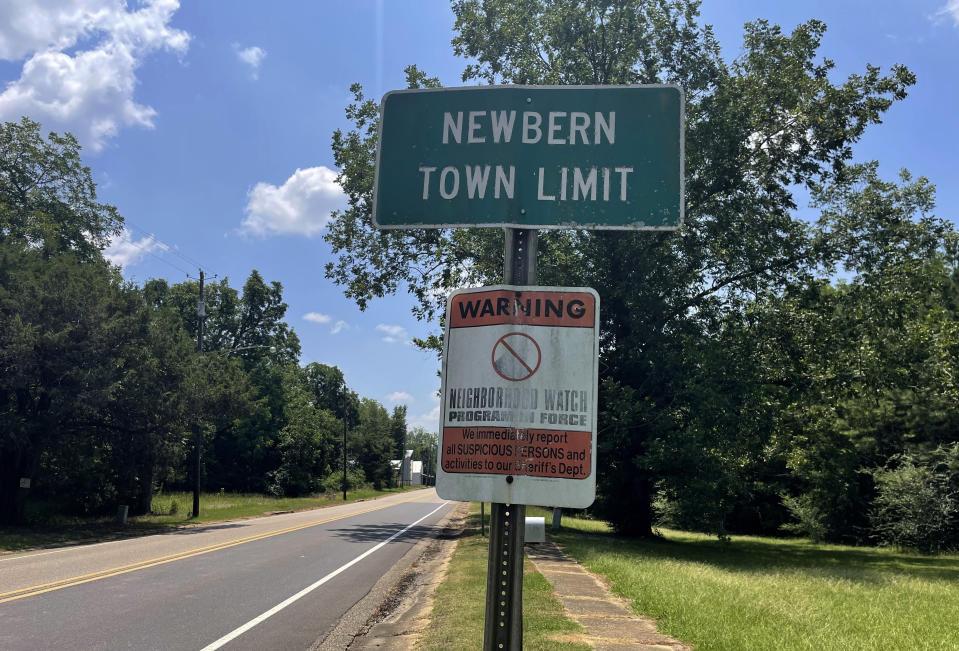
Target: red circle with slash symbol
516	356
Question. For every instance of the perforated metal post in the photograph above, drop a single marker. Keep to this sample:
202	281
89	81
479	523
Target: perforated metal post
519	266
504	578
504	571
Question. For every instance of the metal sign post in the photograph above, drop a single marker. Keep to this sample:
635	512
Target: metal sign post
504	570
503	628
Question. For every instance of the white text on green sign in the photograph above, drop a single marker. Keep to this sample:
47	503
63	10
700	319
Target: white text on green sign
548	157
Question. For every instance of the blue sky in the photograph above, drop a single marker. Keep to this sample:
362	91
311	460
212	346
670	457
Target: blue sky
208	125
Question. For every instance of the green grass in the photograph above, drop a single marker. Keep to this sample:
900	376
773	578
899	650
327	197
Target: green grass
460	603
214	507
767	593
229	506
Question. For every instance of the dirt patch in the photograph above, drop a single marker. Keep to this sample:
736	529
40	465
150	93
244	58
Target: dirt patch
395	597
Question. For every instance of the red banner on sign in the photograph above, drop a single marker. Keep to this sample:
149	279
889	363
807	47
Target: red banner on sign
542	308
521	452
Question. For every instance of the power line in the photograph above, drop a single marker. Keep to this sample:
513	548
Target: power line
167	247
163	260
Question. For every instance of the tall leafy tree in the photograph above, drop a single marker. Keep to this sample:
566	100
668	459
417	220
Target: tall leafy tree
398	431
62	345
859	369
329	390
756	128
246	329
47	195
141	425
372	443
62	322
307	442
252	319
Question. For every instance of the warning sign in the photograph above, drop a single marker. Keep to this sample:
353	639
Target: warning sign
518	415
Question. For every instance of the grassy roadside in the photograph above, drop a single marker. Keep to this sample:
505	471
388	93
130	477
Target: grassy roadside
170	511
459	607
766	593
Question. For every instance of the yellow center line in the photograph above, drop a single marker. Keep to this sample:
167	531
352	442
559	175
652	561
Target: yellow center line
42	588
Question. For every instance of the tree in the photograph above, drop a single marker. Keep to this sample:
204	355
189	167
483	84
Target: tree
252	319
242	440
63	344
47	195
91	396
329	391
373	443
398	431
756	128
307	442
855	370
141	426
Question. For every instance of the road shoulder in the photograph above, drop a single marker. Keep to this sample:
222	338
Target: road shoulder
397	609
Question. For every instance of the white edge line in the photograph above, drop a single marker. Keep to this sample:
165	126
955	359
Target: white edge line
307	590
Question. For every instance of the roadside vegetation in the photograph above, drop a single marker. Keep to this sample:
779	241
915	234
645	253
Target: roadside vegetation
170	511
109	391
460	603
751	592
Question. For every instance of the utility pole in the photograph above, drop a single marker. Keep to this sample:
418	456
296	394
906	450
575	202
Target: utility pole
344	440
201	314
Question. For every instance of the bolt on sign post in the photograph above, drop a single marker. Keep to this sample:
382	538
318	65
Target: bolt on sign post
520	369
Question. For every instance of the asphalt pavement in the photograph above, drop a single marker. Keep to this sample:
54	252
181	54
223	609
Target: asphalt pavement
280	582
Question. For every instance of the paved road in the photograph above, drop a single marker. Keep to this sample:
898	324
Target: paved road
279	582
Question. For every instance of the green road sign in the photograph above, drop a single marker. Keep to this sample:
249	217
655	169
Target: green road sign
596	157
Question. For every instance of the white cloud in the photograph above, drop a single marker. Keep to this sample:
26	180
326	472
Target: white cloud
124	251
316	317
951	8
252	56
301	206
394	333
399	396
428	421
88	92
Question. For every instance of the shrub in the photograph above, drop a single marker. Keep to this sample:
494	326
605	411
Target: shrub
916	507
811	521
355	478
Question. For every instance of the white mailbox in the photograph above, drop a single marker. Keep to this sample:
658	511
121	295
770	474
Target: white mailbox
535	530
